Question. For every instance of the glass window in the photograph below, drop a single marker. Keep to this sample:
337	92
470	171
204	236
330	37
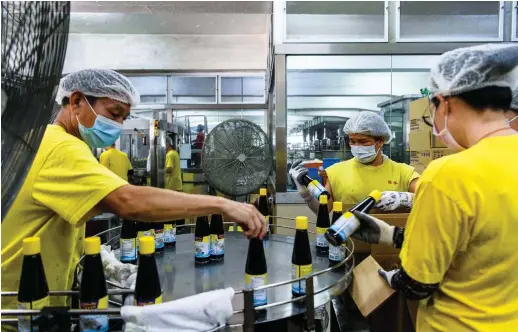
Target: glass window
449	21
193	89
247	89
335	21
514	34
152	89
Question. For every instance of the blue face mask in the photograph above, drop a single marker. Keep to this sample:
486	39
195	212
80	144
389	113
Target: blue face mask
103	133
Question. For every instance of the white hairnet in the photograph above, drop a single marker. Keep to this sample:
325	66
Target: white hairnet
471	68
169	140
368	123
98	83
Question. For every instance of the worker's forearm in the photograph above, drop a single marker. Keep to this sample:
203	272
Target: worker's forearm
150	204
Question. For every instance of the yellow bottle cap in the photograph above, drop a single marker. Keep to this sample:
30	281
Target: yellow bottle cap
147	245
348	215
338	206
92	245
301	222
31	246
263	192
322	199
376	194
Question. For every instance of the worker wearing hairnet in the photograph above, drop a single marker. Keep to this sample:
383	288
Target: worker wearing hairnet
351	181
116	161
459	247
66	185
173	174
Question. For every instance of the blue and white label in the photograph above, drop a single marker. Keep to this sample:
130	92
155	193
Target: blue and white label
345	226
316	189
202	247
217	244
159	238
254	281
336	254
128	250
169	233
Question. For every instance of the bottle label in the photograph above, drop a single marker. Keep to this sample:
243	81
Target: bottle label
337	254
128	250
321	238
299	271
202	247
91	323
316	189
144	302
345	226
159	238
24	322
252	281
169	233
217	244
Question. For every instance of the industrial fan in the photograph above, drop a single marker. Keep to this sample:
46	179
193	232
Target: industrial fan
34	43
237	157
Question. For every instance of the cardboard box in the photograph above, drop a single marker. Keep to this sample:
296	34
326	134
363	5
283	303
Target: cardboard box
420	140
423	157
441	152
418	125
418	108
437	142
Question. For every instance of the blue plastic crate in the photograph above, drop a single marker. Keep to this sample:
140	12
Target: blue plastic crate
313	173
329	162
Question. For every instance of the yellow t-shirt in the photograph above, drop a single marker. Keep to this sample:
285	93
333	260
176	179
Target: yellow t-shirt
173	181
462	233
352	181
117	162
60	193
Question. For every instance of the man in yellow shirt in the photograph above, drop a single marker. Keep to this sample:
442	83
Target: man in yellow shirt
117	162
66	185
352	180
459	248
173	174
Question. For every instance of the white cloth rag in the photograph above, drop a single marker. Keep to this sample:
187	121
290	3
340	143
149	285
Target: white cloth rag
200	312
122	273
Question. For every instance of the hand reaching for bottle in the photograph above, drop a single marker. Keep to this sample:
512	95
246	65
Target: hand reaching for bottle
247	216
297	171
373	230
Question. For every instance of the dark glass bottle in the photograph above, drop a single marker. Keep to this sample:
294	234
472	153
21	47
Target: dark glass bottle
33	292
301	257
147	287
143	229
93	293
314	187
170	234
322	226
348	223
262	206
256	273
336	253
158	230
217	238
128	242
202	241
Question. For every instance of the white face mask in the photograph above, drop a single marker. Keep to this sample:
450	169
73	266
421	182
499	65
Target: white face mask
364	154
446	136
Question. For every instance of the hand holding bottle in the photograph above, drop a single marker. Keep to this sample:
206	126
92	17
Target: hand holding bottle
247	216
391	200
373	230
297	171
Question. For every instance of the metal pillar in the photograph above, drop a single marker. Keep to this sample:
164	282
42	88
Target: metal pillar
280	123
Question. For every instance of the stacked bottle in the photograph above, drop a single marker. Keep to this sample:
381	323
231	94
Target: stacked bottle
93	293
217	238
33	292
256	273
322	226
147	287
301	257
202	241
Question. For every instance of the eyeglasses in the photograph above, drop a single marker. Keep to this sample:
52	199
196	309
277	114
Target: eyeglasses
427	113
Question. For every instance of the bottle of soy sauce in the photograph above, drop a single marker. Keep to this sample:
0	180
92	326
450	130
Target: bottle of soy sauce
217	238
147	287
143	229
314	187
202	241
128	242
322	226
301	262
336	253
93	293
262	206
33	292
158	230
348	223
170	234
256	273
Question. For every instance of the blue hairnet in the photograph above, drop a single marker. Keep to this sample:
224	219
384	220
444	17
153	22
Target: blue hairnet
368	123
472	68
98	83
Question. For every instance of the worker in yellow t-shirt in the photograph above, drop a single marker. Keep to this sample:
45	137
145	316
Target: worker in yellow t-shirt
173	174
66	185
459	249
351	181
117	162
